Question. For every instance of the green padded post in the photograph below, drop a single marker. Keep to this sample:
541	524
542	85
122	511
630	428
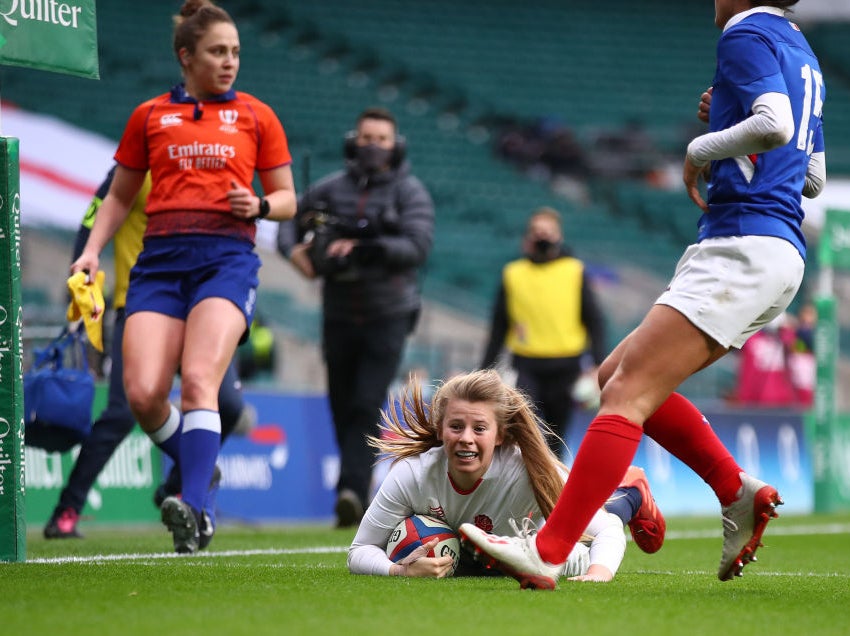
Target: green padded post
12	462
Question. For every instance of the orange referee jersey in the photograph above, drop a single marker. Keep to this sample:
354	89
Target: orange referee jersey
194	151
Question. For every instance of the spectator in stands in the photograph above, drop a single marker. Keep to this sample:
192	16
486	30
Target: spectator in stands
366	231
765	148
807	319
116	421
764	370
568	168
777	365
544	148
547	315
194	286
520	144
563	154
475	453
801	359
627	152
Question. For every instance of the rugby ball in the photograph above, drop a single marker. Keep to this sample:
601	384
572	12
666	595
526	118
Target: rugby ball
418	529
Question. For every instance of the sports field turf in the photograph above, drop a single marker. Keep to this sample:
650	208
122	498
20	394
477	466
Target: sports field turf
294	581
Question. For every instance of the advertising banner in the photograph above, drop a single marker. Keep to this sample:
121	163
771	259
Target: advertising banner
285	469
769	445
50	35
122	493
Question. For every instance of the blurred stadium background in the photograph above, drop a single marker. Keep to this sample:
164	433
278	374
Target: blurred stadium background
475	85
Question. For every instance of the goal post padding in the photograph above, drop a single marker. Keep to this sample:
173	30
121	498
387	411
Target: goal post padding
828	430
12	462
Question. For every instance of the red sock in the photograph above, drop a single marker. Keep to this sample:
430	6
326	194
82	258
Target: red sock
604	456
680	428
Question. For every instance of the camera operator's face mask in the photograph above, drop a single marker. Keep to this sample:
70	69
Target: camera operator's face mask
371	158
376	140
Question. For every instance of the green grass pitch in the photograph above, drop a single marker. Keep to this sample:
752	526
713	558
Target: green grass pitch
293	580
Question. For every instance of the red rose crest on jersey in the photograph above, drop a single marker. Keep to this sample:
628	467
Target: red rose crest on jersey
484	522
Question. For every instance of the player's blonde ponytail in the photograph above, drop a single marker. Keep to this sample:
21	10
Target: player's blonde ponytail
411	427
406	429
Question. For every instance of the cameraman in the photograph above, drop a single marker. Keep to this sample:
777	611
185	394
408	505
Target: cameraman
366	231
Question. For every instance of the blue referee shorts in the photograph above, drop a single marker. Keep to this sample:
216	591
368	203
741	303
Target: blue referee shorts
175	273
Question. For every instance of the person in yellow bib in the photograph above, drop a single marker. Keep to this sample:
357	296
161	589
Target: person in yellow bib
546	315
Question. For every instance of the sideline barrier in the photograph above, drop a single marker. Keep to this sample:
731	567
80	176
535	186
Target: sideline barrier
285	470
770	445
123	491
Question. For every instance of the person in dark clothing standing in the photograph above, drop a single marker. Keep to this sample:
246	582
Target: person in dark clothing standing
547	316
366	231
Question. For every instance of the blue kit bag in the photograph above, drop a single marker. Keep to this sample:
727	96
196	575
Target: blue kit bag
58	394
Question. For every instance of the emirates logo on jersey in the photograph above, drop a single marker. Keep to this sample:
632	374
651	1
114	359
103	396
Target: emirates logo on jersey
228	119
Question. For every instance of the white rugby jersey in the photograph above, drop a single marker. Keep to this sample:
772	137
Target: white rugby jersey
421	485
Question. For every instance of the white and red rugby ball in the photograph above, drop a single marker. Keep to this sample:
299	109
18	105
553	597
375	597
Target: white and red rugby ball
418	529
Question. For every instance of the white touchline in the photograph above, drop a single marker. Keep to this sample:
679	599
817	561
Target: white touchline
98	558
774	530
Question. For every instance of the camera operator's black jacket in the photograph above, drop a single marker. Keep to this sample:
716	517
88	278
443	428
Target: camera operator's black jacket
392	216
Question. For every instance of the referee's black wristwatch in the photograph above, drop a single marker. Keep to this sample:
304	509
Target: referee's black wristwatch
265	208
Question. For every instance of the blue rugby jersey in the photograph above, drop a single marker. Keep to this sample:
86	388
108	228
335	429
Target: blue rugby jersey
760	194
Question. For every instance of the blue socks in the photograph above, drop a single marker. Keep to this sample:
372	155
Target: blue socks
199	446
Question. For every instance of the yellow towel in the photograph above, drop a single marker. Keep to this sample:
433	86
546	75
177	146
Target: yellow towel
87	303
